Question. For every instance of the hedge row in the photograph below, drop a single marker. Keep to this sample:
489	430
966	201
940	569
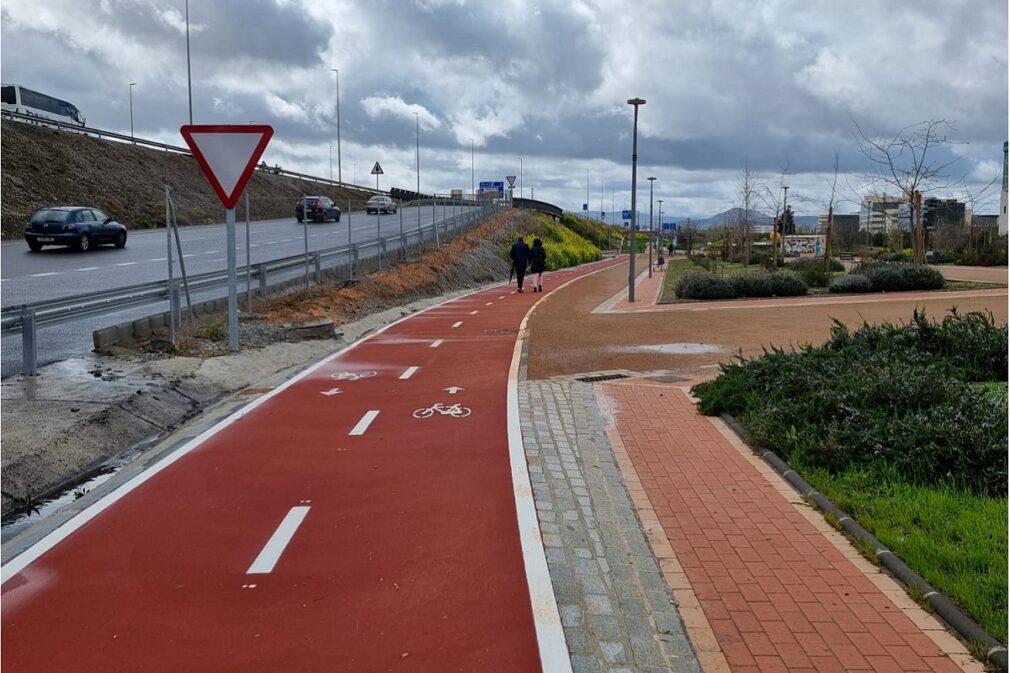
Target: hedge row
890	277
711	286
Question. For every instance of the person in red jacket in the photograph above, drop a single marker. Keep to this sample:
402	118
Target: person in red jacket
538	262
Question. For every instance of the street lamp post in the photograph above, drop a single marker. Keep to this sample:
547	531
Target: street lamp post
417	165
652	181
132	84
340	174
189	75
634	185
520	177
331	163
471	168
659	251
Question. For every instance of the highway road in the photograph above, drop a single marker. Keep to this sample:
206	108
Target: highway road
27	277
372	513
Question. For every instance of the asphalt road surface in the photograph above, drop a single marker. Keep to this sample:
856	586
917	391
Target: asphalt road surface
374	512
27	277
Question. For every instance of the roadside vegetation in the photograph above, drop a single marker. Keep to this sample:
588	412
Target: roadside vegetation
564	243
905	427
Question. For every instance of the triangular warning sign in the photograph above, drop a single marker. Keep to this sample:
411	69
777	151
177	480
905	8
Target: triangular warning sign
377	169
511	179
227	154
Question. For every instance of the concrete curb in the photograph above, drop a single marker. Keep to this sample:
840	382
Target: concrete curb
965	626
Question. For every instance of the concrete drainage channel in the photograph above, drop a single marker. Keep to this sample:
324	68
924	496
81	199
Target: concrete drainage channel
967	628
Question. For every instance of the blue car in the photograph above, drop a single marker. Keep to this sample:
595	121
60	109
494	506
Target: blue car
80	228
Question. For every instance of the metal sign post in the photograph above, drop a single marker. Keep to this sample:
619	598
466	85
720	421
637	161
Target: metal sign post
305	235
377	171
228	155
248	259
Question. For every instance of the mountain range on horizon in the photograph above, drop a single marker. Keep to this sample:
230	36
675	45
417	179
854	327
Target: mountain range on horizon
728	217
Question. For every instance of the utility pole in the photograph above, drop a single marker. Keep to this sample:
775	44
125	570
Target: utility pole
634	186
189	75
417	156
652	182
340	174
132	84
520	177
471	168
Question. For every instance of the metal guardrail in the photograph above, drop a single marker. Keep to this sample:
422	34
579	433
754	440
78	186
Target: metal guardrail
111	135
27	318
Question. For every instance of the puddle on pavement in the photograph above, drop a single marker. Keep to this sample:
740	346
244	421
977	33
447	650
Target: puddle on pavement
673	349
23	516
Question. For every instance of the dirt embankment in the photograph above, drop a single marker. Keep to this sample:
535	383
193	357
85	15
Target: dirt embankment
45	167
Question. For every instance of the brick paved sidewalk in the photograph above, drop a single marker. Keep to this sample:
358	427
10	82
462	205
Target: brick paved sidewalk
762	582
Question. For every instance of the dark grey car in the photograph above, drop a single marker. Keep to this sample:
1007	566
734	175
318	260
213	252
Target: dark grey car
81	228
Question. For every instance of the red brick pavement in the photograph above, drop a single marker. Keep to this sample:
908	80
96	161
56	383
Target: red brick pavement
773	586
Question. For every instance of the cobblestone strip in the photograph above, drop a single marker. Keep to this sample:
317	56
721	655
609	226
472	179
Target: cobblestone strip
616	608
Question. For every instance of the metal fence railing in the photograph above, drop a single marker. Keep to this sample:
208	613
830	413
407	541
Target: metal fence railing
26	319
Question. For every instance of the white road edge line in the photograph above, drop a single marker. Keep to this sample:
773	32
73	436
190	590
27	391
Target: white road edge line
457	324
436	343
275	546
64	530
365	421
410	371
547	620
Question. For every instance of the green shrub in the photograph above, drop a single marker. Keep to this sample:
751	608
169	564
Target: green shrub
704	286
898	277
773	284
884	395
851	283
815	263
815	277
704	262
894	257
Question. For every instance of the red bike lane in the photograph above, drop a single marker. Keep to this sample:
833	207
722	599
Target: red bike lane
361	518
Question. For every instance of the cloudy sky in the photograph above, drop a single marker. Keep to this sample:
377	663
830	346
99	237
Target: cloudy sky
773	84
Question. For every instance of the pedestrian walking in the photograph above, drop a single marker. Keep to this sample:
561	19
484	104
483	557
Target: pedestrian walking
520	254
538	263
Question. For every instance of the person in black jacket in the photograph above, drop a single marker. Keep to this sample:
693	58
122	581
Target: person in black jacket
520	253
538	262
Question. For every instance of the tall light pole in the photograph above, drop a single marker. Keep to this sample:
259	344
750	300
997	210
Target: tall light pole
340	174
417	155
587	194
520	177
331	163
659	252
189	75
781	225
471	168
132	84
652	181
634	186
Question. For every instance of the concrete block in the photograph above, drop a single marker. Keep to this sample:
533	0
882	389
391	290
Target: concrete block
103	338
125	331
159	321
142	328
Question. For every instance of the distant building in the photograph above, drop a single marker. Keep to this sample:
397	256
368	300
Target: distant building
839	222
880	214
986	222
942	212
1003	196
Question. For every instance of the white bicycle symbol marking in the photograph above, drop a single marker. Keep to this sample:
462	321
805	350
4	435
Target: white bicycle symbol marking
454	410
351	376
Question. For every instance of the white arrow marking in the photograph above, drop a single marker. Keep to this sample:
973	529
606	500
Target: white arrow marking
452	390
332	391
408	373
271	553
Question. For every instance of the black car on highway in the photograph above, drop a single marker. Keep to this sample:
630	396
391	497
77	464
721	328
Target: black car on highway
320	209
81	228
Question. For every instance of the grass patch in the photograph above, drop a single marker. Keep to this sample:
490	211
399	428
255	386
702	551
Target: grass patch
955	539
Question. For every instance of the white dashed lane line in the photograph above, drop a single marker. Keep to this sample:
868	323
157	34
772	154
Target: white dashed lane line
365	421
436	343
127	264
474	312
410	371
158	259
457	324
95	268
275	546
43	275
502	297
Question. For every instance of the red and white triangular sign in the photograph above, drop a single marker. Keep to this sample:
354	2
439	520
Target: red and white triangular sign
227	153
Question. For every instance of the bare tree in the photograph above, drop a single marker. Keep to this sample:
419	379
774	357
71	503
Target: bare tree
748	189
905	162
772	202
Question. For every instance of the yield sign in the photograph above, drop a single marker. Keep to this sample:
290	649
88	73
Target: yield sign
376	169
227	154
511	179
